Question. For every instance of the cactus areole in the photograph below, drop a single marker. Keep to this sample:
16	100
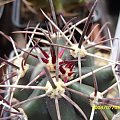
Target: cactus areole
81	51
58	91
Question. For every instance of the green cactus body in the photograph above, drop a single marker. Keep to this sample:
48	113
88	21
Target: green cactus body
36	109
24	81
84	102
67	111
104	76
45	108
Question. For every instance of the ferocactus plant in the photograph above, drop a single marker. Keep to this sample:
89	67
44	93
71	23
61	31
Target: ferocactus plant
60	81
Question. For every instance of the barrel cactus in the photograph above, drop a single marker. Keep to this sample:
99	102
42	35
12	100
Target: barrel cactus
62	80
